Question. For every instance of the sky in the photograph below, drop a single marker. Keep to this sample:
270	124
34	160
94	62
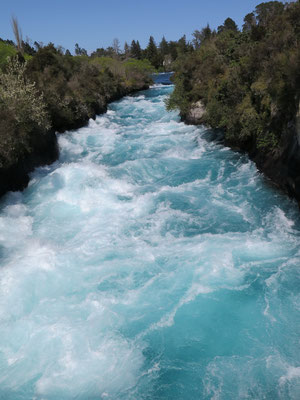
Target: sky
95	23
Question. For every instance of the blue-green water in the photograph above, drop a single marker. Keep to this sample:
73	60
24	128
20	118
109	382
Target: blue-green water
148	263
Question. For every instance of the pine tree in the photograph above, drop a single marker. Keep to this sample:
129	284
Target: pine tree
182	45
126	50
201	36
135	50
152	53
164	47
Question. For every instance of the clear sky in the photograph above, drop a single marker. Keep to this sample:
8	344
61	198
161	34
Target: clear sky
95	23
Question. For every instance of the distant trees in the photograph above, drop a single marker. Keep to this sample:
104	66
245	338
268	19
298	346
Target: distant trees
100	52
152	54
163	47
126	50
249	22
229	25
266	12
27	48
201	36
161	56
116	47
38	45
80	51
135	50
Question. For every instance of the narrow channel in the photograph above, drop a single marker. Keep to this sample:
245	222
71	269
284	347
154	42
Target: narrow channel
148	262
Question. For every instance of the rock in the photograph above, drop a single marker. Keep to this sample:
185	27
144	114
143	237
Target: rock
16	177
195	114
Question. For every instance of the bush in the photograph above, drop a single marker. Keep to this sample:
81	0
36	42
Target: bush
248	81
23	112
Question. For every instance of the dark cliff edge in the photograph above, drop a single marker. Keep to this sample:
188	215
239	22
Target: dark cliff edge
44	147
16	176
282	166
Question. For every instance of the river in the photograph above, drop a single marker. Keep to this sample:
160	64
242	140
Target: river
148	262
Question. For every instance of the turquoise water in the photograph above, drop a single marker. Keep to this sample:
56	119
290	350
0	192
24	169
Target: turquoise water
149	262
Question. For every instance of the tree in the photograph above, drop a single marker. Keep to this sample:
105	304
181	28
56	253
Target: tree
135	49
266	12
100	52
110	51
249	22
80	51
28	49
77	49
126	50
201	36
20	97
229	25
38	45
116	47
151	49
173	49
164	47
182	45
152	53
68	53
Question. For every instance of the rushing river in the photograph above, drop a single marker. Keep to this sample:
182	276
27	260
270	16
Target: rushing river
149	262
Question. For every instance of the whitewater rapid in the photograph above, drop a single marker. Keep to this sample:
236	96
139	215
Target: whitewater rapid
148	262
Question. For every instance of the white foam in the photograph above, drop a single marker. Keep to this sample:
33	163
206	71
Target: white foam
105	250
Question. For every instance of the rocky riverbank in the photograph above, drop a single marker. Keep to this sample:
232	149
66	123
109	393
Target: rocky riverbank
44	149
246	83
52	93
281	166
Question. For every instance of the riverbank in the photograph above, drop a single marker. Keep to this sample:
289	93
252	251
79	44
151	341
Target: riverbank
282	166
45	150
246	84
50	94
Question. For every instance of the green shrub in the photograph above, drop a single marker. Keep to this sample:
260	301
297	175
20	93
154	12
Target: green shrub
249	81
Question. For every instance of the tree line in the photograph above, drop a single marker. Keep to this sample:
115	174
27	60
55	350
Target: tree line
161	55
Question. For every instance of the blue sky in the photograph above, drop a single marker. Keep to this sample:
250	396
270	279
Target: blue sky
95	23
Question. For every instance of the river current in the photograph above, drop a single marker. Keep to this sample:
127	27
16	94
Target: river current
148	262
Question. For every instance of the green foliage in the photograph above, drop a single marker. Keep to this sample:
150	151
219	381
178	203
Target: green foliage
80	51
59	91
21	97
139	65
77	87
22	111
200	36
229	25
152	53
6	50
135	50
249	81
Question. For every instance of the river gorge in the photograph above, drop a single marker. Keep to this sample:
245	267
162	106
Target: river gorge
148	262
